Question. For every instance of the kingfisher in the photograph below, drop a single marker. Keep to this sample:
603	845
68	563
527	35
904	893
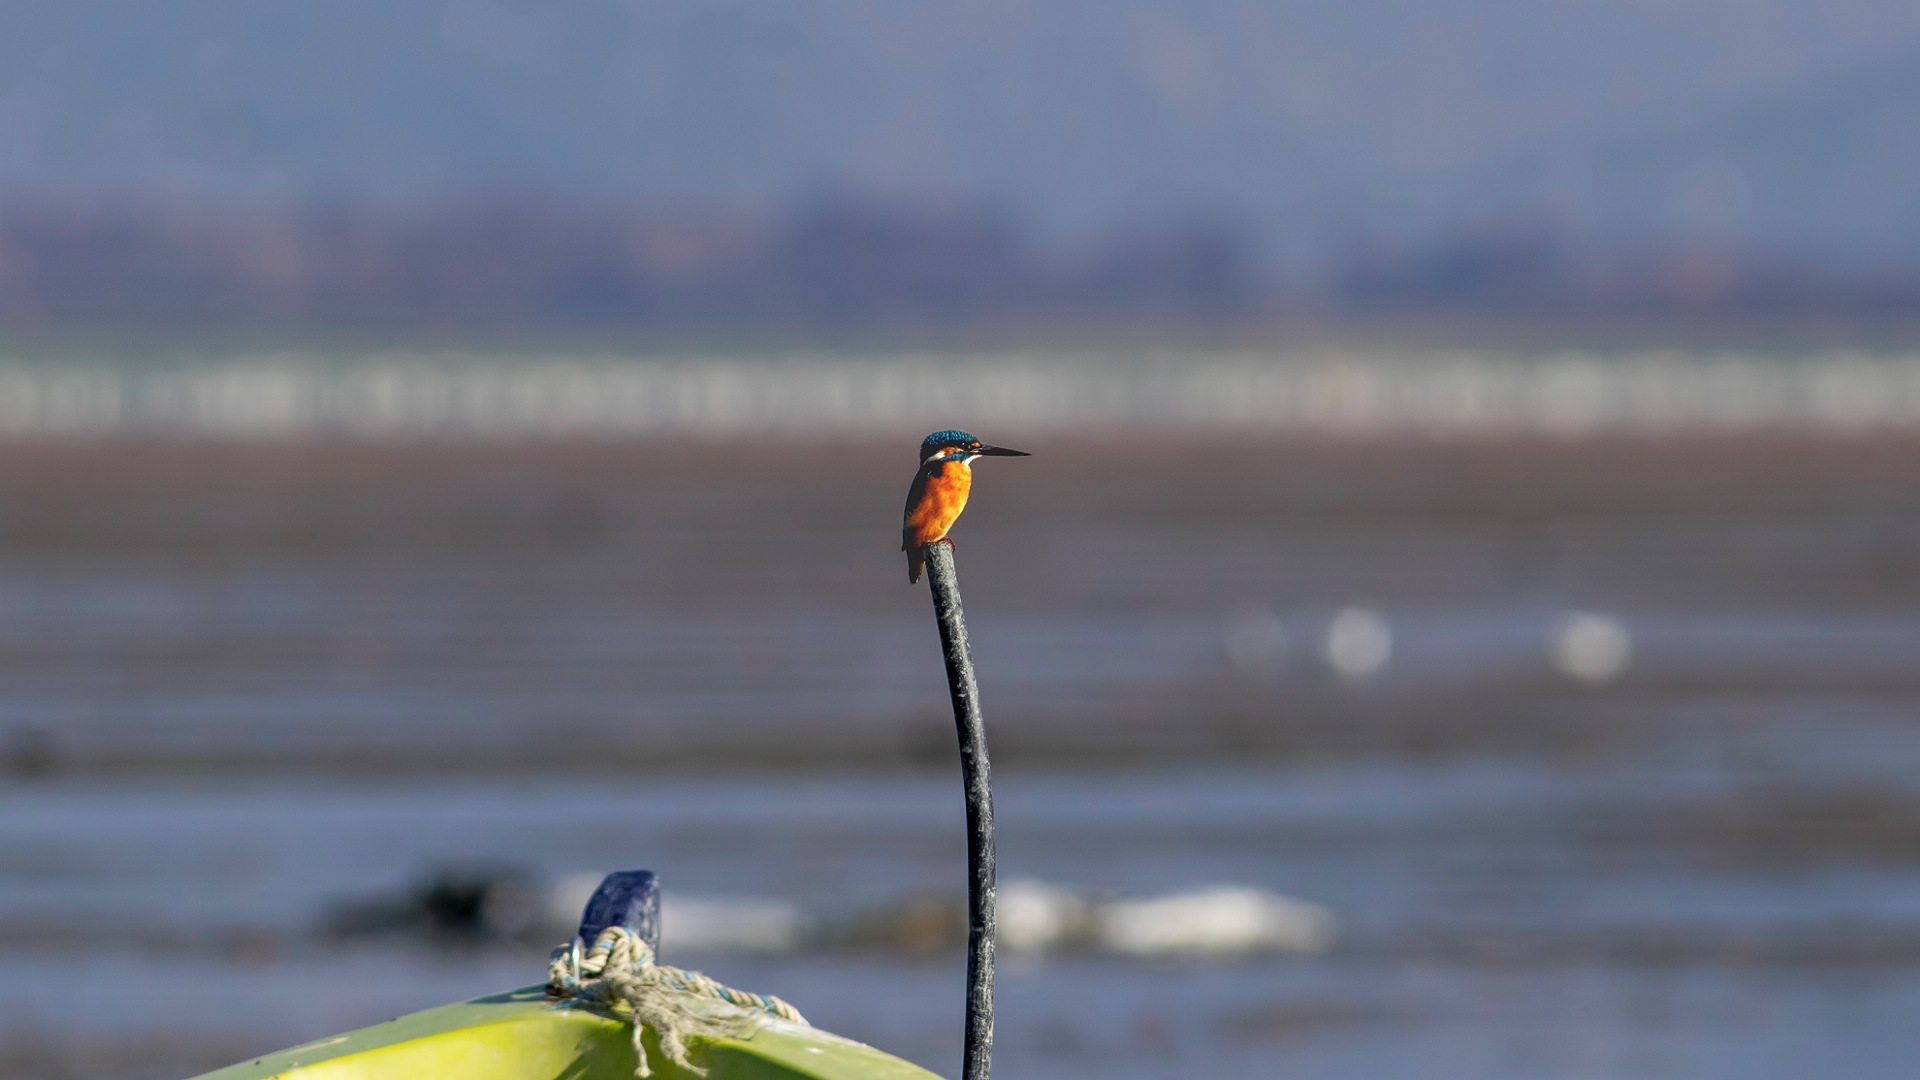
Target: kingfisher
939	491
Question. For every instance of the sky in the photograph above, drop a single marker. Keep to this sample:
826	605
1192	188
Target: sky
1759	124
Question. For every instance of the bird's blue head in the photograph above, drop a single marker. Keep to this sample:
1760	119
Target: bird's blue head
959	446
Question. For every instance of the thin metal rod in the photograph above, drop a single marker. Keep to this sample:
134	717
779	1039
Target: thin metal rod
977	775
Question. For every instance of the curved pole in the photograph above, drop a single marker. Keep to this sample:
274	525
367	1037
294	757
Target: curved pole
977	774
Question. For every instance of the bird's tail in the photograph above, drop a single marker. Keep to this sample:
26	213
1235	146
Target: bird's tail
916	563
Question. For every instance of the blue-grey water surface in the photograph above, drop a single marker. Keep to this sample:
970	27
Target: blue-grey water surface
241	683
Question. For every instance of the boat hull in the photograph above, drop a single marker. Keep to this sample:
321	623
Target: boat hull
524	1035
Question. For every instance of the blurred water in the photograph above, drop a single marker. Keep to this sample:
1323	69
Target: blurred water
1488	930
240	683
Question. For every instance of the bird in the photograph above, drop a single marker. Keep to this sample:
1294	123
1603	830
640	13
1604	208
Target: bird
939	492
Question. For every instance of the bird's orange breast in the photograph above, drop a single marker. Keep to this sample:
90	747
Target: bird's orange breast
934	503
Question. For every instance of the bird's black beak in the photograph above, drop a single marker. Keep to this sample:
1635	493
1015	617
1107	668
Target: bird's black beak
999	451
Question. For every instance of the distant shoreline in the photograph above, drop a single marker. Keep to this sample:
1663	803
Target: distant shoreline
1351	392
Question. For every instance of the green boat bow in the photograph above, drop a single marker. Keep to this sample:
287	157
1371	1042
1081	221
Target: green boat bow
526	1035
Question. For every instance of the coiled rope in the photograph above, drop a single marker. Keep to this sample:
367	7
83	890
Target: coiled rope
619	969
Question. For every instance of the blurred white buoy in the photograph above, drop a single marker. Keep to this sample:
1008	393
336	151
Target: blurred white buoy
1033	916
1591	648
1219	921
730	924
1256	643
1359	643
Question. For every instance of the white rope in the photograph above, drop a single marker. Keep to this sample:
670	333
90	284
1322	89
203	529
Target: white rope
674	1002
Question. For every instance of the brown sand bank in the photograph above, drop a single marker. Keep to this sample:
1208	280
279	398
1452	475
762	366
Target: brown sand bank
376	605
